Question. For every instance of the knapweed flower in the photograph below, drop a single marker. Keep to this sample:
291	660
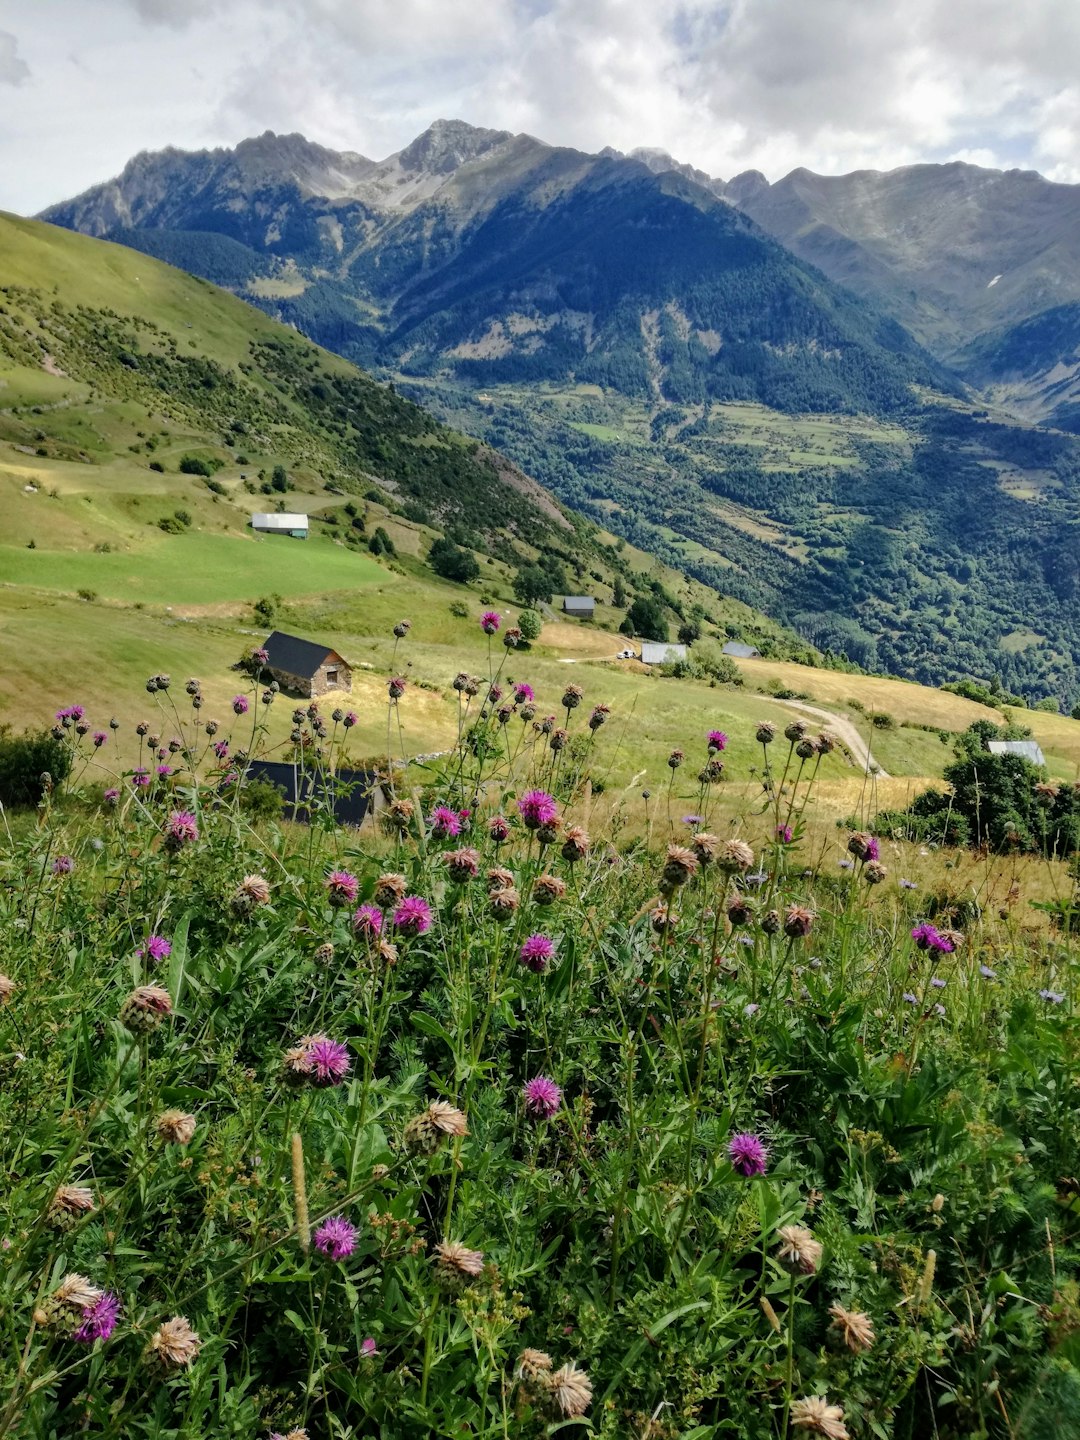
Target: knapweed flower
163	771
335	1237
402	628
176	1127
815	1413
445	823
181	828
100	737
455	1265
523	692
462	865
734	855
252	893
426	1132
111	796
499	828
69	1204
342	888
99	1319
349	719
240	704
798	922
863	846
328	1061
63	865
765	732
537	808
367	922
798	1251
70	712
145	1008
716	740
490	621
854	1327
549	889
680	865
572	697
784	834
748	1154
571	1391
542	1097
575	845
412	916
874	872
389	889
796	731
675	759
536	953
174	1344
154	948
396	687
503	903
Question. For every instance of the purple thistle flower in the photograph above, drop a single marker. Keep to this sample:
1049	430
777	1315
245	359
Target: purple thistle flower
784	834
537	808
926	937
350	719
873	849
367	922
240	705
261	656
542	1097
396	687
111	796
328	1061
155	948
413	916
499	828
910	998
100	736
63	865
341	888
987	973
445	823
221	749
99	1319
717	740
536	953
937	982
490	621
140	779
748	1154
181	828
164	771
523	693
336	1237
1055	997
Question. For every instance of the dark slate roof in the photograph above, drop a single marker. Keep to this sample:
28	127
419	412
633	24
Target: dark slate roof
295	656
740	651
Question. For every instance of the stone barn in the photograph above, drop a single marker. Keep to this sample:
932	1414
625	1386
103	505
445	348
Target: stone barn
304	667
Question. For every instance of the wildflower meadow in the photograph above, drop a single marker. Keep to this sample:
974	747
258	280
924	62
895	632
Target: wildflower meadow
504	1114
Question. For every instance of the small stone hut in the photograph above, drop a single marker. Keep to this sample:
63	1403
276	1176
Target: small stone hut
304	667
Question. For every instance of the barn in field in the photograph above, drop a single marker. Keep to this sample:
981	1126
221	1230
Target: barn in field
1026	749
582	607
738	651
304	667
294	525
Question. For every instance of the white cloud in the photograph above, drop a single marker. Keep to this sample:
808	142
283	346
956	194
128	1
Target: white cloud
724	84
13	69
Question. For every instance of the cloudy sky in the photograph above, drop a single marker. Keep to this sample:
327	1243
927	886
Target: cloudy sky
727	85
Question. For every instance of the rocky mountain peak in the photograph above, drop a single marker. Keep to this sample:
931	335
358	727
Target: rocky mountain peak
446	145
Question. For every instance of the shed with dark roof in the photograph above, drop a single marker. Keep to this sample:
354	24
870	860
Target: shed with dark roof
306	667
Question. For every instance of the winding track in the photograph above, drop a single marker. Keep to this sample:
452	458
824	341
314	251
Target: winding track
844	730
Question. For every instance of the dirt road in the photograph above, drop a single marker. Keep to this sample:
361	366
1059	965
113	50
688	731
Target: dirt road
844	730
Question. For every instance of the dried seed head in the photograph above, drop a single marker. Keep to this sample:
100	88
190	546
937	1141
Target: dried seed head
807	748
798	1251
705	846
548	889
739	910
70	1204
854	1328
499	878
575	845
826	743
174	1344
390	890
815	1413
735	855
770	922
766	731
145	1008
463	865
447	1118
795	731
176	1127
7	989
661	918
253	890
798	922
77	1291
571	1391
456	1266
680	865
874	872
503	903
532	1364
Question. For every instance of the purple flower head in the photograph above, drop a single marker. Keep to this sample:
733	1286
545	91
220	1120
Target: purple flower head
155	948
181	828
498	828
445	823
261	656
748	1154
925	936
413	916
908	885
367	922
341	888
1054	997
537	808
100	736
752	1008
495	694
873	849
328	1061
396	687
164	771
368	1348
717	740
63	865
536	953
937	982
350	719
221	749
99	1319
846	864
693	820
784	834
140	779
910	998
542	1097
490	621
240	705
939	1010
523	693
987	973
111	796
336	1237
70	712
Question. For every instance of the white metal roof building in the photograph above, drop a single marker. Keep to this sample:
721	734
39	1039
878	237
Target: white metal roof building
1026	749
295	525
655	652
739	651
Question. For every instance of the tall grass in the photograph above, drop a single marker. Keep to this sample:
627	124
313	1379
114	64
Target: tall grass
485	1120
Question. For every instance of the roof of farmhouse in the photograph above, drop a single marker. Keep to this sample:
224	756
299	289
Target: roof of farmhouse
280	522
295	656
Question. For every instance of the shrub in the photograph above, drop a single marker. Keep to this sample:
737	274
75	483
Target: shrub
158	466
883	721
451	562
196	465
24	759
646	617
530	623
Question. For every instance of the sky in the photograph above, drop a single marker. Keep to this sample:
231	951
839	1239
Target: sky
726	85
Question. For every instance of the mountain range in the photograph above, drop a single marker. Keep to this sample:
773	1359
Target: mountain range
658	346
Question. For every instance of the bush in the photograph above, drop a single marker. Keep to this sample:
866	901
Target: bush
882	721
261	800
646	617
24	759
451	562
530	623
195	465
158	466
459	608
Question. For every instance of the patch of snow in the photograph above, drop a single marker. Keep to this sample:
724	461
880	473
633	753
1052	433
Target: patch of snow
993	282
